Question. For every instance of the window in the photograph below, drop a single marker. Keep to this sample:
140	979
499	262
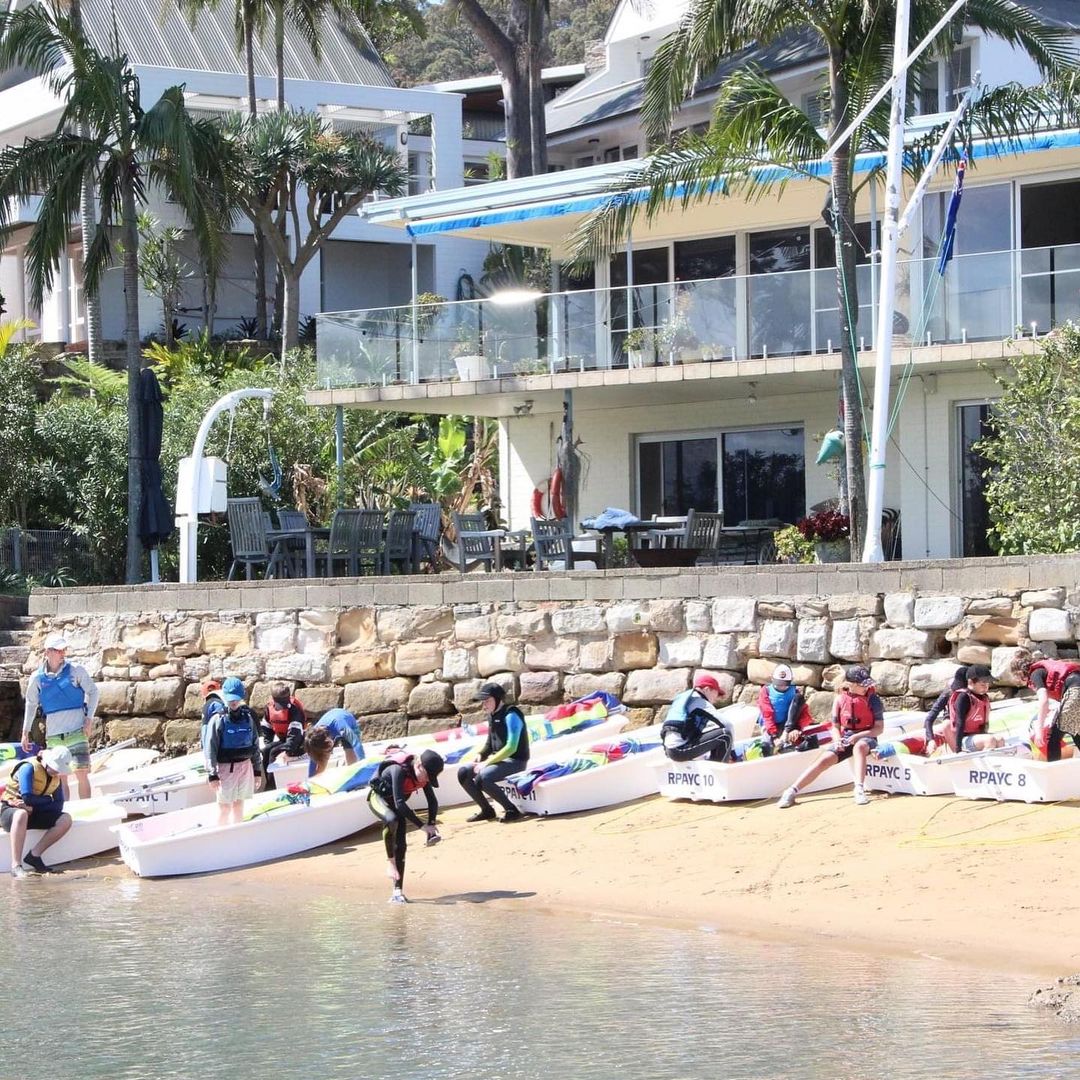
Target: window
713	257
419	173
629	152
754	474
816	106
583	162
477	172
611	153
783	249
936	87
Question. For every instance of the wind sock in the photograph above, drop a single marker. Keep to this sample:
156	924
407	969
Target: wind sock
949	239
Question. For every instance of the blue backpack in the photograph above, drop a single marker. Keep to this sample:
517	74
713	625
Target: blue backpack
237	735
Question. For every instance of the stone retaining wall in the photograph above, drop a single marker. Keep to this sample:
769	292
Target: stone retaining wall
407	654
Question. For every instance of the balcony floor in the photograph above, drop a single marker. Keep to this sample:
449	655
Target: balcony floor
666	384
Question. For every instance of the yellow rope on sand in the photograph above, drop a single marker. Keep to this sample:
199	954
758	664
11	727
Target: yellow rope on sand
949	840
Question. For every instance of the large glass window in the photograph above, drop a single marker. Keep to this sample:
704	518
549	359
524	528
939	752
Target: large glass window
754	475
1050	264
974	515
764	475
652	295
713	257
780	292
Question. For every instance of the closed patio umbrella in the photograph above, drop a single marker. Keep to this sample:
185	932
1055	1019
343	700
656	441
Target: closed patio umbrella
155	516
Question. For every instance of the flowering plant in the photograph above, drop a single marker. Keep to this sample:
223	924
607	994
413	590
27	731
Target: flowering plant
825	525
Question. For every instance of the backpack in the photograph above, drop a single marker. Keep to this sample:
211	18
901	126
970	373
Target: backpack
237	735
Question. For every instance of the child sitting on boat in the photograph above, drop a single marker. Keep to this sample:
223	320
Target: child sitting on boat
783	713
966	728
284	723
941	702
33	798
693	728
858	718
233	757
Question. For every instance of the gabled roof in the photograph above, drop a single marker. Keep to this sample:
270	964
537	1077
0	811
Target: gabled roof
155	35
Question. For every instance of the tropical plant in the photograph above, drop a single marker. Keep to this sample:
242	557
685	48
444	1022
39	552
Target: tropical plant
124	150
84	378
755	126
163	268
297	179
824	525
18	442
640	339
1032	479
792	547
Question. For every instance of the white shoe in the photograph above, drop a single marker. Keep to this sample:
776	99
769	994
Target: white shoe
787	799
398	897
861	798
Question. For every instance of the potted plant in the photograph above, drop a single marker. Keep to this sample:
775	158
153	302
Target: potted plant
470	364
830	533
677	335
638	342
792	546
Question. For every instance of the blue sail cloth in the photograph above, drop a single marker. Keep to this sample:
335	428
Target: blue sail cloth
611	518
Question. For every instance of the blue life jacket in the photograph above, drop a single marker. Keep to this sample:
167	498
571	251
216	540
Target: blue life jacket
688	714
237	735
781	703
59	692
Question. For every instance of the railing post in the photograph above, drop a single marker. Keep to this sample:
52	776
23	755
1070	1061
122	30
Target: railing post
554	321
415	312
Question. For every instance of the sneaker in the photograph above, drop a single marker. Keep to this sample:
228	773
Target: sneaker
861	798
787	799
398	897
36	863
482	815
512	815
1068	717
18	872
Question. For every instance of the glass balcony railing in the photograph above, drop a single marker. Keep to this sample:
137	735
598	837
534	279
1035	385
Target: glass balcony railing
979	298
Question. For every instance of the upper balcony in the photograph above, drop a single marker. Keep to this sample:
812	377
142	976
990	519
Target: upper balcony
786	324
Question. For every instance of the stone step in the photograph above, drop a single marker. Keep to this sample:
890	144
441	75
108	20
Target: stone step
13	656
16	637
21	622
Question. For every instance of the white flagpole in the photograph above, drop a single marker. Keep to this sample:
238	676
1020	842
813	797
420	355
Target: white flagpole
894	175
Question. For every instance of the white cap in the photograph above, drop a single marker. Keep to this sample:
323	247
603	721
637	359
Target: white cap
782	673
57	758
56	641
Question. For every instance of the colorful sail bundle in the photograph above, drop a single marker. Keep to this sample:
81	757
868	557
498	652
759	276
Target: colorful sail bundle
606	753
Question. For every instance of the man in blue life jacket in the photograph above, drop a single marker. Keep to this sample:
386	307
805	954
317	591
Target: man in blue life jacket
68	697
693	728
33	798
505	752
233	757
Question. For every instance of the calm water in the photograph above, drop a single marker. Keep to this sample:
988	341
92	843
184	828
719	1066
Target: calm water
200	979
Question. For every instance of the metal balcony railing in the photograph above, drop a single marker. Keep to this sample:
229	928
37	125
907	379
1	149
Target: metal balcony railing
980	297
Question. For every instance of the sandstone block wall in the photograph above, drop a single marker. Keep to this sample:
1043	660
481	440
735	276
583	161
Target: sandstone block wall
407	655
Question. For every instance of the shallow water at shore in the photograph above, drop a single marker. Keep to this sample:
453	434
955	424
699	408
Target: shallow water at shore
209	978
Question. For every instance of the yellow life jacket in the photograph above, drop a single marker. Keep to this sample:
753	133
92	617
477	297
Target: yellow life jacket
44	783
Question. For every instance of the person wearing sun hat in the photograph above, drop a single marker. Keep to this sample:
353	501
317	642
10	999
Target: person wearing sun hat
68	697
33	798
693	728
858	717
231	749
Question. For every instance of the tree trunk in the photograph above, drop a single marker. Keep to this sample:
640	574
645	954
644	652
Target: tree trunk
130	231
290	309
519	159
257	239
537	118
848	296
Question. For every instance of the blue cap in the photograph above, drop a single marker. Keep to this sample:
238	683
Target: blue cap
232	689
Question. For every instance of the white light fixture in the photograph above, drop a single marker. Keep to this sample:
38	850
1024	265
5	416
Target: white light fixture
751	398
510	297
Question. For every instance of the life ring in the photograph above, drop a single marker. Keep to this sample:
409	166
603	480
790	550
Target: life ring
537	507
555	495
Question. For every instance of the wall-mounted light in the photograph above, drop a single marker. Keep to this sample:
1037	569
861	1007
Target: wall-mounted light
751	398
525	408
403	136
594	142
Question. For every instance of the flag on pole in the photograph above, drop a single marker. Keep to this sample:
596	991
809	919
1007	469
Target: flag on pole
949	237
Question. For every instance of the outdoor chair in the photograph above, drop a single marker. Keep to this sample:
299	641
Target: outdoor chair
293	549
247	536
890	532
476	543
558	549
428	529
356	539
703	534
400	545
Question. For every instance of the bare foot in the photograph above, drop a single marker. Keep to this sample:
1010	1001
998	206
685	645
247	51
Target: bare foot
392	871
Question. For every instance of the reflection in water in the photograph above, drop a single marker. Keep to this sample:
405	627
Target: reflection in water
204	979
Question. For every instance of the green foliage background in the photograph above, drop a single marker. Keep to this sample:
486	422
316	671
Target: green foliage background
1033	484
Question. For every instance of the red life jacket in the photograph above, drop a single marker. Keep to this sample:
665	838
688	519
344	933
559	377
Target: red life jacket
279	716
853	713
1057	671
409	783
975	723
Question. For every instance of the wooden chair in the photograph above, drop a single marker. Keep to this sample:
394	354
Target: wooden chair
428	529
703	533
293	550
247	536
356	538
476	543
558	549
890	533
400	544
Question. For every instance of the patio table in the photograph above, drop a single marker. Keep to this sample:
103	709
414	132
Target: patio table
279	538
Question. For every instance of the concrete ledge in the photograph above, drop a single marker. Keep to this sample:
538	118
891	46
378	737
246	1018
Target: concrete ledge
965	576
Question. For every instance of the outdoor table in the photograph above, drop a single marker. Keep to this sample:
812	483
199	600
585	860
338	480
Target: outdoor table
630	531
279	538
747	537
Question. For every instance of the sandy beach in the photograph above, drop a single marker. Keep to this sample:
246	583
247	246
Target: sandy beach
988	883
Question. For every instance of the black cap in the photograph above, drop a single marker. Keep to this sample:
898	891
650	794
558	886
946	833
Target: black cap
433	765
492	690
858	676
979	673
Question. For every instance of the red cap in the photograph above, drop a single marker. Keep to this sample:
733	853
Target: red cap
707	682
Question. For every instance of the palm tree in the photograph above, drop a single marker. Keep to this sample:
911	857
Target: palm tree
106	137
754	125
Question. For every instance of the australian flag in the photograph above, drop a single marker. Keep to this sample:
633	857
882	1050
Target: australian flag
949	239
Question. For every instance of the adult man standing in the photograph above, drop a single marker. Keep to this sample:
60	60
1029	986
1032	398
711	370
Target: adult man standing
505	752
68	697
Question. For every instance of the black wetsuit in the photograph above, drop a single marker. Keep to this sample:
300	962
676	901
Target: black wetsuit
959	682
388	800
